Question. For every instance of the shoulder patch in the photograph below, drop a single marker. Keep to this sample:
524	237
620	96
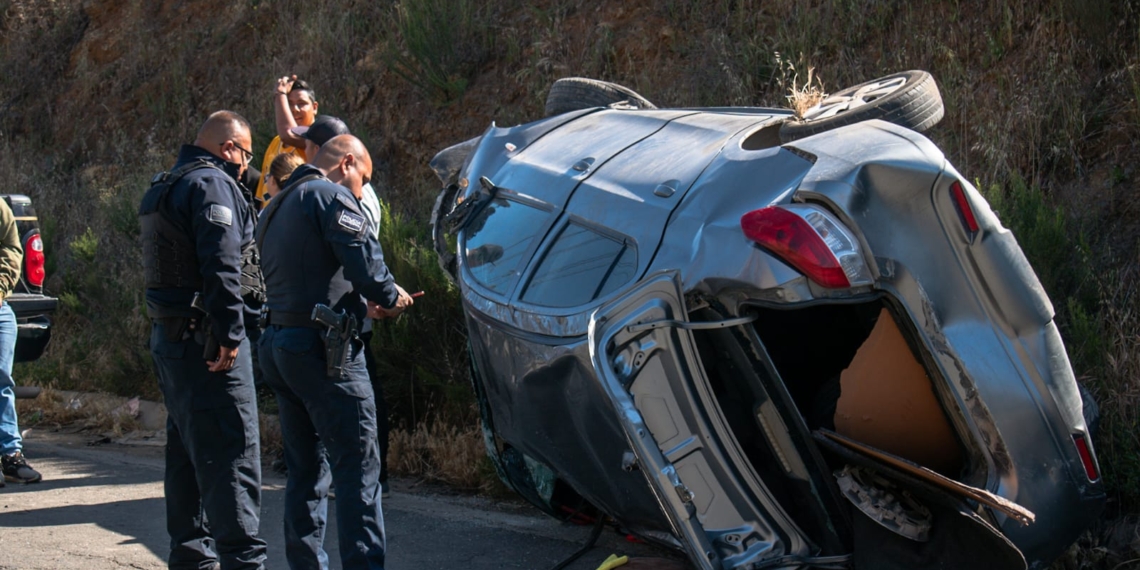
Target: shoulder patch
220	215
350	221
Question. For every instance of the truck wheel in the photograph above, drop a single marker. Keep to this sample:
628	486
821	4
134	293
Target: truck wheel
574	93
910	99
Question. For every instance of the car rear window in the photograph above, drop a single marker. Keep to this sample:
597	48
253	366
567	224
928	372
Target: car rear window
580	266
497	239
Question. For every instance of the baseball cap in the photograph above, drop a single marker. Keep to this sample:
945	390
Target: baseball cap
323	128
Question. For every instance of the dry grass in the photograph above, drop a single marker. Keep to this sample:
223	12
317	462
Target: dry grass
106	413
449	455
802	98
1110	546
1117	390
272	442
101	412
446	454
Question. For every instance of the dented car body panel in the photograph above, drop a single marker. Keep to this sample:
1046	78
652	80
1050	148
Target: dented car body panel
633	347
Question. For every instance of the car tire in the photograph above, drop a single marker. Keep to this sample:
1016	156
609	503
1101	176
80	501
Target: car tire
910	99
574	93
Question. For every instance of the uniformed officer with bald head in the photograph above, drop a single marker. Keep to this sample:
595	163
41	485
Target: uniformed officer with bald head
317	248
197	234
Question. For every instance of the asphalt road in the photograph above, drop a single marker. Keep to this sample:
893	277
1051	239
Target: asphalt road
101	507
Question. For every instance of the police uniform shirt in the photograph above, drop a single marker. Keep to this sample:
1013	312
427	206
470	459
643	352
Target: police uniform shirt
209	207
318	248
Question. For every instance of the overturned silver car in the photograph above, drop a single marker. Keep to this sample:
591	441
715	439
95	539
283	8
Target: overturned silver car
772	343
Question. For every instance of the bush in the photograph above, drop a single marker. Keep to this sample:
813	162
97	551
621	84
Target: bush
100	330
1098	317
422	355
443	44
1115	384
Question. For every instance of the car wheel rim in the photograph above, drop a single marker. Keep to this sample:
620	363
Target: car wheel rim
863	95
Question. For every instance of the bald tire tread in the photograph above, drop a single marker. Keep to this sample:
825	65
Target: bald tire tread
574	93
917	105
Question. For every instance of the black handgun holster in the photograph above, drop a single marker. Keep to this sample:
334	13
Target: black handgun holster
204	335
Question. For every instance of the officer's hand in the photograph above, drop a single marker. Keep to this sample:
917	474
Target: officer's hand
225	361
376	311
403	301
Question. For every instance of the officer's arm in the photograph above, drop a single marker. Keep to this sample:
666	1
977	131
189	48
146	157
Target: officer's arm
346	229
217	225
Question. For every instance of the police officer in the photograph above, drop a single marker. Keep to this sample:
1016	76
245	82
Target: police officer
197	234
316	248
323	129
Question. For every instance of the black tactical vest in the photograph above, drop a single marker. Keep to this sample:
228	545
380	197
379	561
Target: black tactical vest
169	256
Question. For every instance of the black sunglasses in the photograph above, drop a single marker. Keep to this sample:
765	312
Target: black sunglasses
248	154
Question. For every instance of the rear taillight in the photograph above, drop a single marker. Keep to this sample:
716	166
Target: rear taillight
1085	451
34	260
964	209
811	240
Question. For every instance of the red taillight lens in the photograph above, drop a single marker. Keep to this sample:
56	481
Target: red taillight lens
34	260
964	209
810	240
1087	458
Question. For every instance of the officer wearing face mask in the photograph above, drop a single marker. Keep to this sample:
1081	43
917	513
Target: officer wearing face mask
318	252
198	260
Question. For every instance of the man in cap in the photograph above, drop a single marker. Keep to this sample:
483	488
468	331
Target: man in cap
317	249
198	262
324	127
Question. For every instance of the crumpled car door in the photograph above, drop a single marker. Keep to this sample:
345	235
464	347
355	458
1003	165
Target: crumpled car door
648	365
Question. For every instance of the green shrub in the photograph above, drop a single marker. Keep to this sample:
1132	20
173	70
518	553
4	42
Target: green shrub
422	354
1097	311
443	43
1115	387
100	331
85	247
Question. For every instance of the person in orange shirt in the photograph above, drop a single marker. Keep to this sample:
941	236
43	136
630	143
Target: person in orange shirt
294	104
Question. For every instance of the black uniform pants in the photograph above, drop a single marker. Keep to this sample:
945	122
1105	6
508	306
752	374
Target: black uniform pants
213	456
325	417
